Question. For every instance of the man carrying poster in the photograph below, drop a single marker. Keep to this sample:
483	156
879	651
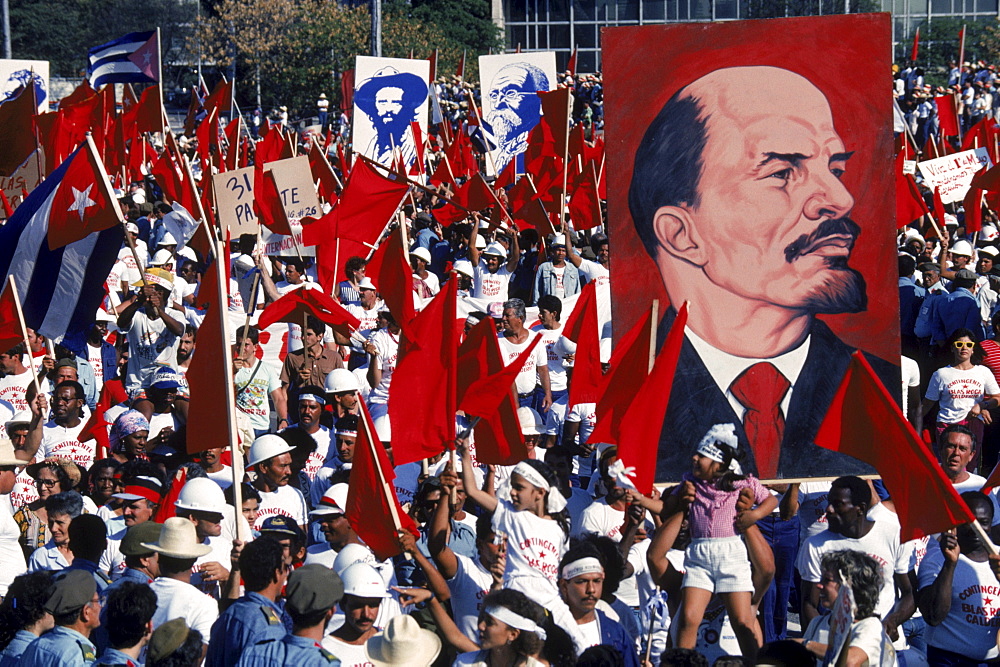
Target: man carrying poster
736	194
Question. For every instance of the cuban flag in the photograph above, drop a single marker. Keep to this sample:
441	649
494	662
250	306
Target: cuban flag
60	289
134	58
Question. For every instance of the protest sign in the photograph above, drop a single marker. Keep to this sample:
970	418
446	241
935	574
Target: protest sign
390	94
841	620
23	180
14	74
234	201
293	179
952	174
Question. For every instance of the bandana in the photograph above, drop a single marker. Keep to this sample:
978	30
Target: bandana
724	434
505	615
128	422
312	397
555	501
588	565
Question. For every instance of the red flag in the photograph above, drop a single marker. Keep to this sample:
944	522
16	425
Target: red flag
555	117
423	421
112	393
987	179
17	133
267	203
82	92
84	203
498	439
938	208
585	203
10	324
221	98
507	176
193	108
372	507
208	139
639	429
347	91
209	374
864	421
483	377
961	52
323	173
629	368
167	510
443	173
233	139
395	282
571	63
418	143
172	178
947	116
147	115
460	70
973	204
434	65
299	303
916	44
582	328
269	148
910	204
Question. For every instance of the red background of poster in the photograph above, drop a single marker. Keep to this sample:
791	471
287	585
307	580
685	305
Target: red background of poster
847	57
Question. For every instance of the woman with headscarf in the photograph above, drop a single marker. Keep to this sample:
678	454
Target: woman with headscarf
128	436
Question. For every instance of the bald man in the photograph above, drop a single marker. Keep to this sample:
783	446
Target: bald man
736	195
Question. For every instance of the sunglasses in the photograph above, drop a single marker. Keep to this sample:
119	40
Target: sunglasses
959	344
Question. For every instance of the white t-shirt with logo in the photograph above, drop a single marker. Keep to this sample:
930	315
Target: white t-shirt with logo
554	353
534	545
151	345
387	345
64	442
490	286
13	388
350	655
525	381
958	390
287	501
560	289
252	395
97	363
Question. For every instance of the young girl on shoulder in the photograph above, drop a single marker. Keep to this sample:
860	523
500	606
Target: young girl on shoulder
716	560
535	525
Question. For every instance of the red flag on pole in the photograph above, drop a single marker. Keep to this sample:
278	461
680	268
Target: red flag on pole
267	203
581	328
483	378
916	44
297	304
17	132
961	53
322	173
7	210
372	507
571	63
910	204
585	202
639	430
555	117
460	70
84	202
947	115
147	115
422	419
10	323
395	282
938	208
864	421
973	203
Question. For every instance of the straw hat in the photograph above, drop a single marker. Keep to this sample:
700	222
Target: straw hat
403	642
7	455
178	540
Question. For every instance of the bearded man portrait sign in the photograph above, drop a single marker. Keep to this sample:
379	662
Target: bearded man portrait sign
754	181
391	93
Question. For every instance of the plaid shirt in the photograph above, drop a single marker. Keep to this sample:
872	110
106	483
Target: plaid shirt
713	512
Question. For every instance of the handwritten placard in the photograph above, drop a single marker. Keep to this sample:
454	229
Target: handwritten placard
234	201
952	174
295	187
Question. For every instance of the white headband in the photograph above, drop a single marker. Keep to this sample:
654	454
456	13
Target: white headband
588	565
555	501
720	434
312	397
505	615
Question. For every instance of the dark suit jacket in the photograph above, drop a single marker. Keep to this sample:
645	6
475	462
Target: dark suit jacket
696	404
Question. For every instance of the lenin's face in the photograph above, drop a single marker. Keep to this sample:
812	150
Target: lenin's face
772	221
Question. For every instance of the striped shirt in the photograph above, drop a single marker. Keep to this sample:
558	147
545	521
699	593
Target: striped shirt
348	293
992	357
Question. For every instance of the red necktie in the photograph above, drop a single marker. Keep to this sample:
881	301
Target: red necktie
760	389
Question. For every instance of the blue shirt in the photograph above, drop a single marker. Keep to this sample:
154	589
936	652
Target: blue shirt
252	618
911	296
614	635
102	579
17	646
959	309
113	656
288	650
57	647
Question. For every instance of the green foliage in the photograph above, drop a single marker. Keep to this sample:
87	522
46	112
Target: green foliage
467	23
939	46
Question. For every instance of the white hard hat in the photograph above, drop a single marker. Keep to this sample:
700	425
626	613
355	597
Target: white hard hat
422	253
464	267
201	495
340	380
496	249
383	429
363	581
531	422
161	257
366	283
243	263
962	247
267	447
988	233
103	316
480	243
351	554
334	501
187	253
168	239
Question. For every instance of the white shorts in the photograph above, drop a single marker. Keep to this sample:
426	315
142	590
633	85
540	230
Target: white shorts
718	564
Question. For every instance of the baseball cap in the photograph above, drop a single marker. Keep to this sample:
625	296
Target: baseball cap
312	588
137	488
165	378
69	591
280	525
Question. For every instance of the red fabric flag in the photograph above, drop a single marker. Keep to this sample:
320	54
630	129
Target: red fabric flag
129	98
7	210
443	173
498	439
147	115
208	139
555	116
299	303
571	63
507	176
172	177
460	70
938	209
910	204
422	394
345	167
10	323
640	427
864	421
233	139
323	173
987	179
209	374
221	98
82	92
267	203
581	328
347	91
269	148
96	428
373	509
395	282
166	510
192	113
973	204
84	203
17	133
585	203
629	368
916	44
418	143
483	378
947	116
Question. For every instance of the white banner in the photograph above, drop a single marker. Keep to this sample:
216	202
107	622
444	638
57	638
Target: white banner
952	174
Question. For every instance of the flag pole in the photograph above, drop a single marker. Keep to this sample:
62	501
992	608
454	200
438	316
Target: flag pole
386	489
159	81
653	327
24	333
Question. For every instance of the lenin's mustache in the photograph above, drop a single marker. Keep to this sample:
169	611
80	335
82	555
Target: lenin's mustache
836	227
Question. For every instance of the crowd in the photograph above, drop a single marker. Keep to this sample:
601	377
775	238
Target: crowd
137	554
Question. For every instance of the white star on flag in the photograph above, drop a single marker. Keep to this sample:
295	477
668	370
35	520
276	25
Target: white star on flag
82	201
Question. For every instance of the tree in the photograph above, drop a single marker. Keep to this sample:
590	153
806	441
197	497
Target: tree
468	24
939	45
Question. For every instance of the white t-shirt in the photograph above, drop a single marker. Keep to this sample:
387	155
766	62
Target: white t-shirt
591	632
97	363
151	345
554	353
602	519
867	635
162	420
881	543
560	288
911	378
224	477
25	492
252	395
175	599
13	388
432	282
369	318
813	500
350	655
957	391
490	286
387	345
970	627
534	545
62	441
323	453
525	381
287	500
468	587
10	551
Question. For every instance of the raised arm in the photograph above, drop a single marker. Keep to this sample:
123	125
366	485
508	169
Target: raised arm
437	539
485	500
515	250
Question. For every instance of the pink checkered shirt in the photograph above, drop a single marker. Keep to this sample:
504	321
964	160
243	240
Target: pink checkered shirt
713	512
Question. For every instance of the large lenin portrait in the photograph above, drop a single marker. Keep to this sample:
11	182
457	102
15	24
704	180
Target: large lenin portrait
750	175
